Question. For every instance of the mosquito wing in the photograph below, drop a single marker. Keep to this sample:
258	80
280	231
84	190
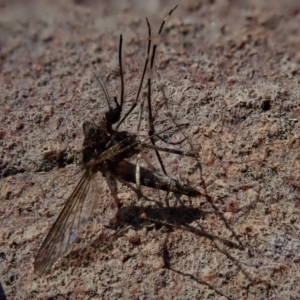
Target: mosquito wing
64	231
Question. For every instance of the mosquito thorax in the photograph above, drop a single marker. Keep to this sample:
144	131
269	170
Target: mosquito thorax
95	140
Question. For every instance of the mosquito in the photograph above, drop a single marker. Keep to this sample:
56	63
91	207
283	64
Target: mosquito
106	150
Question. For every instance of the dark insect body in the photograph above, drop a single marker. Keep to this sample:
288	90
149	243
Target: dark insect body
105	150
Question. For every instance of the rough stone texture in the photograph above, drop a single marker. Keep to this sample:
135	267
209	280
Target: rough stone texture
232	71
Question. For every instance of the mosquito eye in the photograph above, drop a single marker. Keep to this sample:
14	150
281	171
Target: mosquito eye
113	115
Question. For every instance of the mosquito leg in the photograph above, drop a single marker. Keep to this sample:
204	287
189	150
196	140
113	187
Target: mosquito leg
138	181
151	130
137	191
176	129
170	116
169	150
171	143
140	156
112	184
194	154
147	161
141	82
145	65
138	176
121	72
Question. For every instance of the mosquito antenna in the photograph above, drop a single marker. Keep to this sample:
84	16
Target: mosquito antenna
104	89
103	86
114	111
142	79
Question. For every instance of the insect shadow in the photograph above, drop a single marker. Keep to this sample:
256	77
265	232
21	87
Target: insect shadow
172	217
134	217
184	218
181	217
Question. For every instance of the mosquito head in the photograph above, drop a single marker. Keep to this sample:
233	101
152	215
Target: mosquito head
113	115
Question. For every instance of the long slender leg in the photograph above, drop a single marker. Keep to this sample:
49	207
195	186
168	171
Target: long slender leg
145	65
170	142
138	191
141	82
138	173
151	130
147	161
170	116
121	72
169	150
194	154
112	184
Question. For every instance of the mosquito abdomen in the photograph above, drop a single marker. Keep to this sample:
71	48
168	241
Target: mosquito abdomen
127	171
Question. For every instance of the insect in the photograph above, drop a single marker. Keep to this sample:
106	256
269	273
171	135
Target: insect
105	150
